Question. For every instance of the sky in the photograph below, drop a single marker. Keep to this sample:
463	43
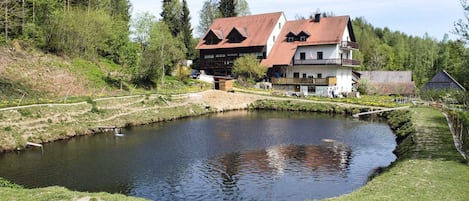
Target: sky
413	17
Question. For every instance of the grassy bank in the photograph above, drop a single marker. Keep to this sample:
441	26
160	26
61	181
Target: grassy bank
428	166
10	191
47	123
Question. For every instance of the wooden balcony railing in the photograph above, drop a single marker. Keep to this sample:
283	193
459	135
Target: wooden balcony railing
329	81
343	62
349	45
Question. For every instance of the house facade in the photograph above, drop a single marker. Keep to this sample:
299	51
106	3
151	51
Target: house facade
311	56
230	38
314	56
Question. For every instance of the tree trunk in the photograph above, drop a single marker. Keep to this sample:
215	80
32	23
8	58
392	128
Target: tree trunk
5	4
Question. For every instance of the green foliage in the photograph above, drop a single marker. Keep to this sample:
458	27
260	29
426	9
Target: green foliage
227	8
446	95
7	184
400	122
80	33
249	68
172	16
94	107
461	27
207	15
211	10
25	112
301	106
383	49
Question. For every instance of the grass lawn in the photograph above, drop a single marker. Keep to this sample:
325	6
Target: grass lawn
58	193
428	167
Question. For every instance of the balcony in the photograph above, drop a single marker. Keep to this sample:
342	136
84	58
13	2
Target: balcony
349	45
342	62
329	81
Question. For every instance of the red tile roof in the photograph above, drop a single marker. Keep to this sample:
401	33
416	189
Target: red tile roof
328	31
257	28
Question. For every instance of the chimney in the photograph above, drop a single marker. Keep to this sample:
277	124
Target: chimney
317	17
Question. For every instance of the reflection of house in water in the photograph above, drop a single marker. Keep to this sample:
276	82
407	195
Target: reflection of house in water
332	158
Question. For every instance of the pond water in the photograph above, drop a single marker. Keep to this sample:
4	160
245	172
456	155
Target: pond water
230	156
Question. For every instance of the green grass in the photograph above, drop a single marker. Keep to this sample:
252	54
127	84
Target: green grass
57	193
428	166
376	101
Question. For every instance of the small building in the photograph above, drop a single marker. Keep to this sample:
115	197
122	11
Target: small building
442	80
388	82
223	83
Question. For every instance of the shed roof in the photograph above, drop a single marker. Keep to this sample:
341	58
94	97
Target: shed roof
386	76
443	80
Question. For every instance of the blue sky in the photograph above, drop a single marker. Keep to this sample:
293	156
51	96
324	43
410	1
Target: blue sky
413	17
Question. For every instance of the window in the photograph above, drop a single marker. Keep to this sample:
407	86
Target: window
319	55
220	55
319	75
290	39
232	55
304	75
296	74
273	39
209	56
302	38
302	56
280	25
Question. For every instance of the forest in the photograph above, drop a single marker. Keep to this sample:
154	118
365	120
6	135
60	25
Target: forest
148	47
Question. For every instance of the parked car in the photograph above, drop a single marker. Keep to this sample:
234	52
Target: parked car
195	74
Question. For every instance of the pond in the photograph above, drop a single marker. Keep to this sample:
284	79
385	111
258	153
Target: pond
229	156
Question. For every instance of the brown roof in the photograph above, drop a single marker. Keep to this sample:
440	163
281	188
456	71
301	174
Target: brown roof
395	88
257	28
328	31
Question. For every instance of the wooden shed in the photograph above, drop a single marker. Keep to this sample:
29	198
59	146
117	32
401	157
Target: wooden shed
442	80
223	83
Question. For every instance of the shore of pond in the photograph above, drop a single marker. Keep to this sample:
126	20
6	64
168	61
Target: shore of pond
422	170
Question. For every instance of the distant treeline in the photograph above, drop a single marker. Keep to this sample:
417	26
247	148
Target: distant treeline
383	49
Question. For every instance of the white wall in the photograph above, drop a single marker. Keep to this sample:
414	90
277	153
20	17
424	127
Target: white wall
275	33
343	75
329	51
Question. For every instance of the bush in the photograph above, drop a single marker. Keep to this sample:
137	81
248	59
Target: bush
7	184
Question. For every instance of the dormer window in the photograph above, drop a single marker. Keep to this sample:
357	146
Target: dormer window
237	35
303	35
213	37
290	39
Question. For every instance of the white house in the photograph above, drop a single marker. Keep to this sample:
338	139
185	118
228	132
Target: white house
314	56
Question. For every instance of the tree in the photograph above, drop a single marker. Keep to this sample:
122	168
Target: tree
142	25
461	27
172	16
160	56
227	8
207	15
242	7
187	30
249	68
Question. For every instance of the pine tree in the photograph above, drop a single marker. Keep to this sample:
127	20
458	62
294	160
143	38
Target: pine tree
187	29
227	8
172	15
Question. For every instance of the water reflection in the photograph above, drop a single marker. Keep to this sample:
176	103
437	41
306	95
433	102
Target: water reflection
332	158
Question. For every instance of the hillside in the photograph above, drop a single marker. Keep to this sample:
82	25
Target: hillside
41	77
